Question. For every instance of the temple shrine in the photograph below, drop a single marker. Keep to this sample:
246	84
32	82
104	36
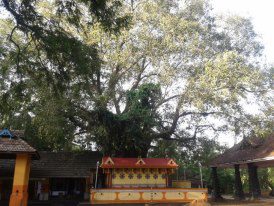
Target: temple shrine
30	175
142	180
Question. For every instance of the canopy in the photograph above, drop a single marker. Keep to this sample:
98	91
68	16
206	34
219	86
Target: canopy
257	150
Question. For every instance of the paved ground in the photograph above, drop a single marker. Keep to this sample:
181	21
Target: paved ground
228	201
235	203
152	204
47	203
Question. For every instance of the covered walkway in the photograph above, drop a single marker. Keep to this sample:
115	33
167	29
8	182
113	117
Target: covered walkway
250	154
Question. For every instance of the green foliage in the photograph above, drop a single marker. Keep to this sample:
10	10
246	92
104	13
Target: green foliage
128	133
128	77
188	156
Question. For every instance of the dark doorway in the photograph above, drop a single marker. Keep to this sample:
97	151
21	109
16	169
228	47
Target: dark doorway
6	189
67	188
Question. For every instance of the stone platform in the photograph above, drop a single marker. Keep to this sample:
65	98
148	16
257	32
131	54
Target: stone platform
147	195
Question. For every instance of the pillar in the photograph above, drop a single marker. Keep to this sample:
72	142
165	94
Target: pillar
87	188
272	191
19	196
45	190
254	185
239	193
1	189
216	192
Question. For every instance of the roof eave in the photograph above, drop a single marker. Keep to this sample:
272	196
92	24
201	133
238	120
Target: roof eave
227	164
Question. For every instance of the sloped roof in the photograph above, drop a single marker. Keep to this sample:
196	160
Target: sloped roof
256	149
65	164
135	162
58	164
11	146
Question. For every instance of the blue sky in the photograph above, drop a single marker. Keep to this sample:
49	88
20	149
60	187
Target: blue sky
262	14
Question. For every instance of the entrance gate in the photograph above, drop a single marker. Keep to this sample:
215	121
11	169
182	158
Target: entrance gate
13	147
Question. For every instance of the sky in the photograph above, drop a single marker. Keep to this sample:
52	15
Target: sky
261	13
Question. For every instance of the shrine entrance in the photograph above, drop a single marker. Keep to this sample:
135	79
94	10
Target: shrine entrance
13	147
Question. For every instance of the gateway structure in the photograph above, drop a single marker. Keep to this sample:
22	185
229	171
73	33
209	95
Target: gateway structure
28	174
13	147
251	153
141	180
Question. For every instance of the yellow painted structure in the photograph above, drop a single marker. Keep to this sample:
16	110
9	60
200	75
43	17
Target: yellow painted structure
143	180
138	178
19	196
154	195
181	184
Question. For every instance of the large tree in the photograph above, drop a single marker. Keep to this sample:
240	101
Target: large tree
174	73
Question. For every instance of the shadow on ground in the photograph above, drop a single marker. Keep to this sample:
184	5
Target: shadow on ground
47	203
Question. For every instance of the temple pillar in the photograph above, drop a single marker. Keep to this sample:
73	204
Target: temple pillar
44	190
272	191
87	188
1	189
19	196
239	193
216	192
254	185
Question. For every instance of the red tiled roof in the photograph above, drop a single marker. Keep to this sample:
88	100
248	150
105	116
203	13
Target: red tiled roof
14	145
115	162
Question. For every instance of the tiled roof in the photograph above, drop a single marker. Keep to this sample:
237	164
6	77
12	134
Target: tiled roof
115	162
58	164
16	145
65	164
248	150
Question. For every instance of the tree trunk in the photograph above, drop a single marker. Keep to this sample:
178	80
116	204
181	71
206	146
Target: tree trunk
216	193
254	185
239	193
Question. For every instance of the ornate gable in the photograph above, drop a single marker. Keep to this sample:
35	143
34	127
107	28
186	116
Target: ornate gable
171	162
140	162
109	161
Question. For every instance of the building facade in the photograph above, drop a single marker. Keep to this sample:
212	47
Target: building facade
142	180
66	175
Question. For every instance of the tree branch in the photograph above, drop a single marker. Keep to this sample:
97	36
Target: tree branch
204	114
166	100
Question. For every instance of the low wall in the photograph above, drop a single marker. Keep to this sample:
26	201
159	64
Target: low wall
181	184
157	195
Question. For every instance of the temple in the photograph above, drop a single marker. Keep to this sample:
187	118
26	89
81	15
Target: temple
13	147
27	174
137	172
251	153
142	180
